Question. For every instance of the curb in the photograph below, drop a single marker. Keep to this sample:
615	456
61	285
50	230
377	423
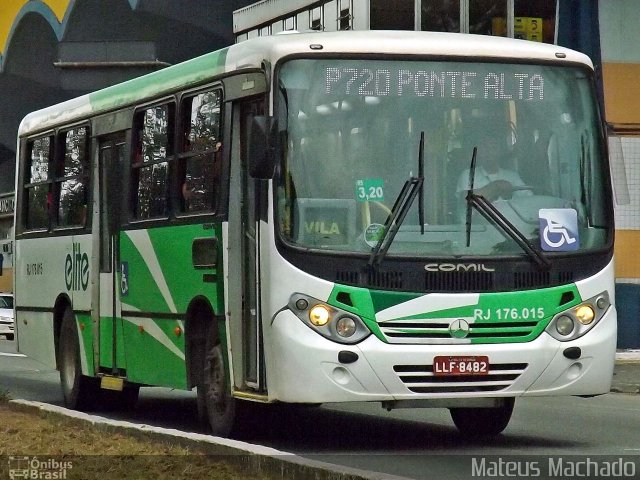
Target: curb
629	356
626	376
626	388
250	458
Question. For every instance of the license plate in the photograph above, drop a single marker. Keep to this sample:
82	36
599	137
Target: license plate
461	365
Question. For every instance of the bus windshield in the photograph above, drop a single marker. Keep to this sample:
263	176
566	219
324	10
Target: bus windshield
353	129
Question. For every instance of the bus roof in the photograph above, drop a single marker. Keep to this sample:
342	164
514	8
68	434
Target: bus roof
252	53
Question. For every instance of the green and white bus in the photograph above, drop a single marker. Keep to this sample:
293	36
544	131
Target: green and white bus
417	219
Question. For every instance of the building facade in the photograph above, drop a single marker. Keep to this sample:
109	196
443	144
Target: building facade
7	207
620	47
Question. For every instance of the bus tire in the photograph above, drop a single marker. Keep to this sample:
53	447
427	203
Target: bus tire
483	422
79	391
201	404
221	408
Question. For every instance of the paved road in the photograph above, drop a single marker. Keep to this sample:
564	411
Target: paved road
413	443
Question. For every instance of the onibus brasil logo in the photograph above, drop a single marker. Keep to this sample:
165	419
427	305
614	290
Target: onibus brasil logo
38	469
76	269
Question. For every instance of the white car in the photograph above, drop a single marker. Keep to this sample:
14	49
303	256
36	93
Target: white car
6	315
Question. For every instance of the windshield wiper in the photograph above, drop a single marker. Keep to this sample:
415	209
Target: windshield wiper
493	215
472	176
411	188
421	178
585	178
394	220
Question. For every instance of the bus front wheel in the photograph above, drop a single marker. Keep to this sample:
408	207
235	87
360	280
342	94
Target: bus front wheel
78	390
483	422
219	404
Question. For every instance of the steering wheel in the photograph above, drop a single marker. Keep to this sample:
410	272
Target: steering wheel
522	187
502	188
382	207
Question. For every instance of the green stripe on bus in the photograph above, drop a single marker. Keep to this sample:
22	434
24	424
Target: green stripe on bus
170	248
169	79
149	361
501	317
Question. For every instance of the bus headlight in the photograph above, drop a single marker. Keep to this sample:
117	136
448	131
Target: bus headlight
319	315
329	321
346	326
585	314
564	325
578	320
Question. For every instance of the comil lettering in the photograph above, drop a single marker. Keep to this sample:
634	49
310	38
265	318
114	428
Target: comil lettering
457	267
76	269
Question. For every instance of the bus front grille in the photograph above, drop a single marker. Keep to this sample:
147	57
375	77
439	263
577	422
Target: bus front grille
386	280
480	282
459	282
420	379
451	282
437	331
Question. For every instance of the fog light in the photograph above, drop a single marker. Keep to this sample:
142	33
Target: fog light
346	326
564	325
302	304
319	315
601	302
585	314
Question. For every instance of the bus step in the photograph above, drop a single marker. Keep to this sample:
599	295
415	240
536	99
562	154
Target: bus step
112	383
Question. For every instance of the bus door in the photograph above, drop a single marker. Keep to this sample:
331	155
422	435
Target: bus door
250	247
111	161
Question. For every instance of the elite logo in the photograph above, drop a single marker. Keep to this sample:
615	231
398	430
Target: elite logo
76	269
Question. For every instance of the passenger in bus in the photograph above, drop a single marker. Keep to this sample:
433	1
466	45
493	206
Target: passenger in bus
200	177
492	179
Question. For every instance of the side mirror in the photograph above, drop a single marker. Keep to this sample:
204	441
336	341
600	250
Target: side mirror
260	146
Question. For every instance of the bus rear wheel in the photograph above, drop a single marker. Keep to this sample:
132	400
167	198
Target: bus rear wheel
483	422
79	391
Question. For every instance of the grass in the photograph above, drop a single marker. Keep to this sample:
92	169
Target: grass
95	452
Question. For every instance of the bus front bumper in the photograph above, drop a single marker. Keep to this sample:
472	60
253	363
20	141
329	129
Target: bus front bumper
306	368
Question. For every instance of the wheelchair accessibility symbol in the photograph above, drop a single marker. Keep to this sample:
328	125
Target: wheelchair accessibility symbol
559	229
124	279
556	230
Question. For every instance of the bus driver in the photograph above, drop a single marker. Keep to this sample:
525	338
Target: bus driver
491	179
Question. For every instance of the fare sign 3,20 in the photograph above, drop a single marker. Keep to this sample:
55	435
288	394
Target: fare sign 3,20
477	365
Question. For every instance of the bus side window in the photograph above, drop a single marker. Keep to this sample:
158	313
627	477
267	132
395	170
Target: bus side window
200	162
71	184
37	195
150	162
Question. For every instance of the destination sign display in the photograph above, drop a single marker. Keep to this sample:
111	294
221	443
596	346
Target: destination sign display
400	81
